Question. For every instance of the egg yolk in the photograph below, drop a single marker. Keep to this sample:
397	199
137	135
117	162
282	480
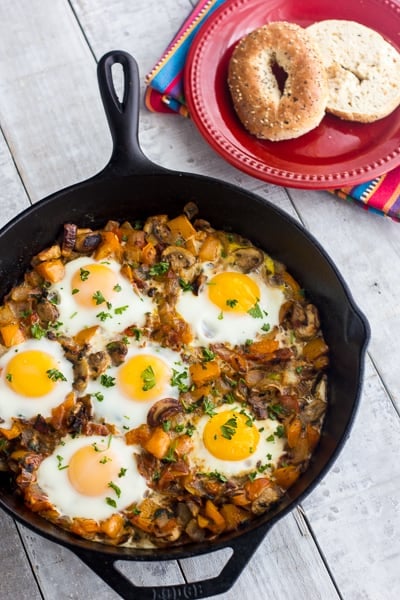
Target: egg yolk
144	377
93	285
233	292
91	469
230	435
32	373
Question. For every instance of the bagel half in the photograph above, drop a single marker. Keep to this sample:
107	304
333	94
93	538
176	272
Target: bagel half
363	70
268	109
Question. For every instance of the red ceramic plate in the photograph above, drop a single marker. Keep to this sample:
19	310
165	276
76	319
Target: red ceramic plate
335	154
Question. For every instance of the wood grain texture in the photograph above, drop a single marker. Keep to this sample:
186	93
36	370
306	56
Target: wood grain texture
346	543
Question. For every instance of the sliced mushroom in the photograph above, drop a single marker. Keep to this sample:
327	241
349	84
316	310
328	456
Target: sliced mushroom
87	242
191	210
181	261
81	375
157	226
47	311
268	496
248	258
117	351
305	321
195	532
98	363
314	411
163	410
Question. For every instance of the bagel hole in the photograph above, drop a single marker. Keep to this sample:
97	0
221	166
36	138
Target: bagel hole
280	75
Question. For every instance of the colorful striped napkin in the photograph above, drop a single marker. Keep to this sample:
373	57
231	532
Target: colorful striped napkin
164	93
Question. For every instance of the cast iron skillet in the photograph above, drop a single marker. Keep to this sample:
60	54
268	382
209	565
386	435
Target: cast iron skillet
131	187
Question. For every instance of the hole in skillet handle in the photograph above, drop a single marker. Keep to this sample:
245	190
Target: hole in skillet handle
123	115
243	547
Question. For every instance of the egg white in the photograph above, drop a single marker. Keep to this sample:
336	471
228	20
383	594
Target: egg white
268	451
210	324
128	308
13	404
112	405
52	477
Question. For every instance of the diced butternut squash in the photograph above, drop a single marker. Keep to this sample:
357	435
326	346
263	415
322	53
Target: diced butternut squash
213	514
181	228
149	254
109	246
313	436
12	334
292	283
49	253
234	516
113	526
205	372
140	435
7	315
210	249
85	335
286	476
12	433
183	445
263	347
51	270
314	349
158	443
293	431
254	488
85	527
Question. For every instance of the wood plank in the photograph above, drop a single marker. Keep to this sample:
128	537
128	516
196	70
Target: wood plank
13	198
15	582
51	113
355	511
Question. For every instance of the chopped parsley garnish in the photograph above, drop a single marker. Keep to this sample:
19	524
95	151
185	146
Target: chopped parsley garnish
149	378
187	287
107	380
9	377
255	311
55	375
99	396
166	425
177	380
103	316
159	268
120	309
280	431
208	354
122	472
75	291
60	466
208	406
271	438
84	274
111	502
98	297
228	429
116	489
231	302
105	460
117	287
266	327
37	331
216	475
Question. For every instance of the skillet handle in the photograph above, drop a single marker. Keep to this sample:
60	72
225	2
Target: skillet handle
105	567
123	115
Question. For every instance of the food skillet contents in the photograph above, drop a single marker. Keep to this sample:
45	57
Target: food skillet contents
283	78
160	382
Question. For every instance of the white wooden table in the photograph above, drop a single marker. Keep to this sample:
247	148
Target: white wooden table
344	541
